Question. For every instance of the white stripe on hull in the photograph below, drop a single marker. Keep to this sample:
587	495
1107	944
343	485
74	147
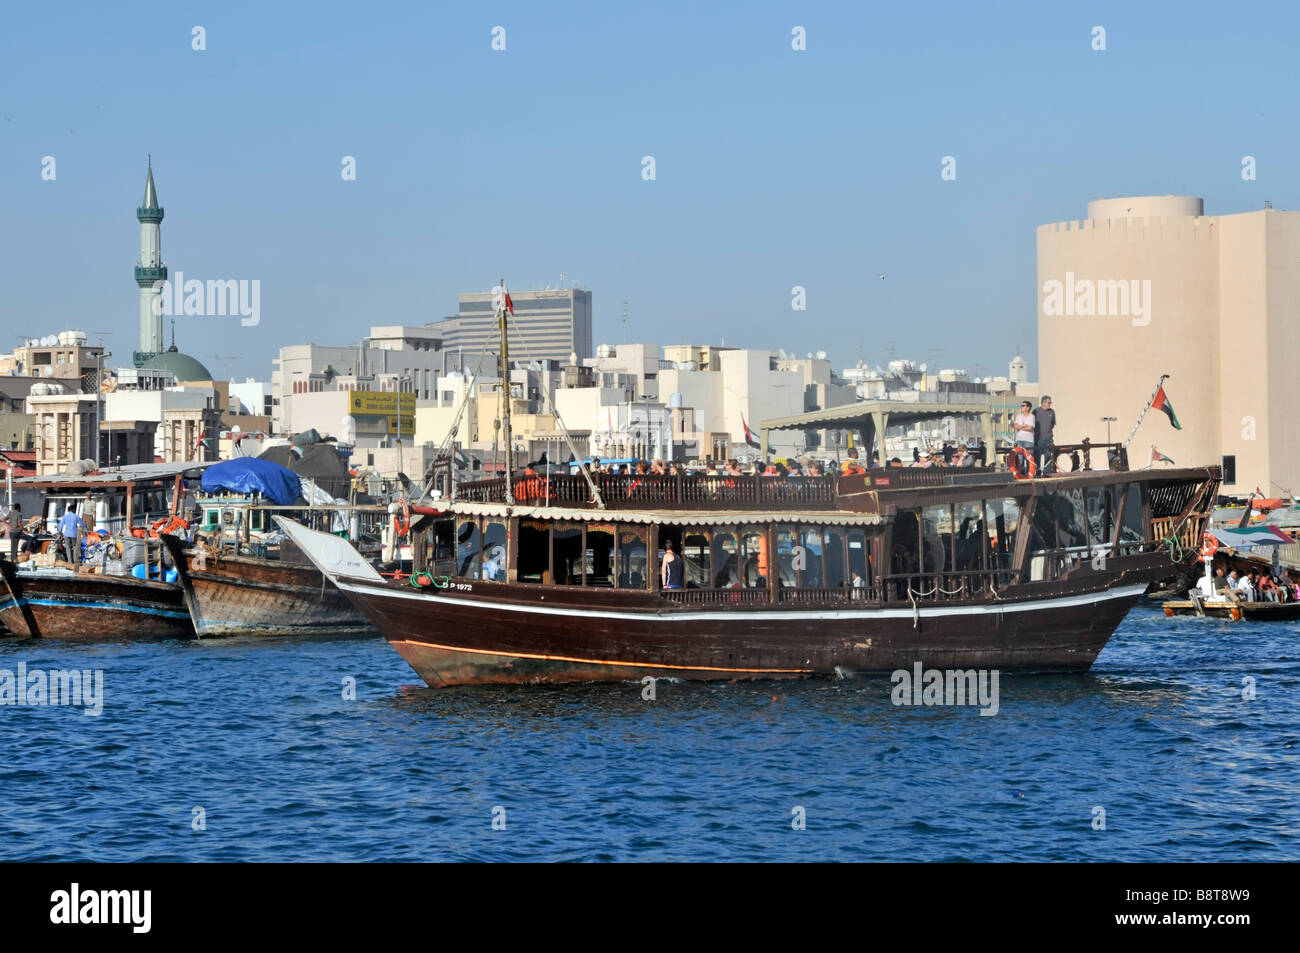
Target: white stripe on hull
776	615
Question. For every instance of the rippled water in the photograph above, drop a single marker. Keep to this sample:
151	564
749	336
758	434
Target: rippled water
259	736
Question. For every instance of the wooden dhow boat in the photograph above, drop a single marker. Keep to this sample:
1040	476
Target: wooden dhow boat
59	603
246	595
793	577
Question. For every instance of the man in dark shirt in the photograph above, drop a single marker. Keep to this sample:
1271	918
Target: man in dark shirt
1044	425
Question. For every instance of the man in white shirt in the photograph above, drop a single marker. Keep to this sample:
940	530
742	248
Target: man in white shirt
1023	425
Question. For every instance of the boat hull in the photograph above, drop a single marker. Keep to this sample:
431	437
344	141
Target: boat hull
240	595
58	604
512	634
1237	611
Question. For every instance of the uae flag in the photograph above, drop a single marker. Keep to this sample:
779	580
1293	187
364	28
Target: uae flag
750	437
1162	403
1158	457
510	305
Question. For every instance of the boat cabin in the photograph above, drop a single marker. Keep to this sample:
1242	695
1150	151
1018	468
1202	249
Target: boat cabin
885	536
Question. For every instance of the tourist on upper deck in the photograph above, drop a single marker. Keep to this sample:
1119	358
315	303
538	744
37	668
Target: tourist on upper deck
658	467
813	468
1044	435
70	529
1023	425
671	571
851	463
962	458
924	459
733	468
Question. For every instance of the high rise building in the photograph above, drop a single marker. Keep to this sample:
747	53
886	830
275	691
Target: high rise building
550	324
1147	286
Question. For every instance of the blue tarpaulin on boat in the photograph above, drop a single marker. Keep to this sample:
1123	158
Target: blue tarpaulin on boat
278	484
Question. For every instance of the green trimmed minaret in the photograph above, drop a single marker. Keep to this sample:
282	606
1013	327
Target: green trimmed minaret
149	271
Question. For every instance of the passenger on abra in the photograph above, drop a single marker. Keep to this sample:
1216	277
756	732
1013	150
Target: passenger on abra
852	464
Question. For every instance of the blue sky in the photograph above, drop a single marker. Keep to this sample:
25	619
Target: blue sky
775	168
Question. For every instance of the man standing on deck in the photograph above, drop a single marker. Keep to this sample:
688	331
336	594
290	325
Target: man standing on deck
86	510
70	529
1044	427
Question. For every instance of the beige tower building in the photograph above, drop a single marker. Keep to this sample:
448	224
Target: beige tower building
1151	285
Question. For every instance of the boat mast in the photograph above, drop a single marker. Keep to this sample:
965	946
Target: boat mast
504	371
1150	401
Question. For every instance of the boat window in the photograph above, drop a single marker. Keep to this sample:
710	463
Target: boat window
696	552
726	560
937	542
1071	520
632	558
753	557
1131	529
1100	514
1043	524
534	551
1001	518
566	554
494	550
787	538
904	549
859	561
438	548
833	558
467	548
813	574
600	555
970	541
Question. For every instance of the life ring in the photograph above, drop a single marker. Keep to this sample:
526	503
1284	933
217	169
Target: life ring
1027	469
402	526
1209	545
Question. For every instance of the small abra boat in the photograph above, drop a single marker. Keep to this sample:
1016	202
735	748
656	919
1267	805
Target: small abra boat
245	595
57	603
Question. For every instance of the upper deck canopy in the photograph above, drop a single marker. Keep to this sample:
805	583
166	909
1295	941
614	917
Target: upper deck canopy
871	417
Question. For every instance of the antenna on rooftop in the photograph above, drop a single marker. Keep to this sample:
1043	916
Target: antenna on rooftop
625	322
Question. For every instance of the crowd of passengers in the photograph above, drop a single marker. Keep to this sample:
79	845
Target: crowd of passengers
958	456
1255	586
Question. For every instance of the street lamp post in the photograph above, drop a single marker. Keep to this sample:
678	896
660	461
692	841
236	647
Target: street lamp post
1108	421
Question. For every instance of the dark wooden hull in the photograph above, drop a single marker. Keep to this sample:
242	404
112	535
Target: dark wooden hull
502	633
56	604
241	595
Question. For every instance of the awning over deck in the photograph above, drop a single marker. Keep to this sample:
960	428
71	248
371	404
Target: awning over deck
871	417
691	517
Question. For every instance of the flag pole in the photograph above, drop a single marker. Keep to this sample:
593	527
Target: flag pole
505	397
1150	400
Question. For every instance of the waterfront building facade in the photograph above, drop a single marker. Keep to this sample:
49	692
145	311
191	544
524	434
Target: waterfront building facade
1151	285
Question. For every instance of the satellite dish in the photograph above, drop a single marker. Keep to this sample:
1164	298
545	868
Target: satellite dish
821	356
922	368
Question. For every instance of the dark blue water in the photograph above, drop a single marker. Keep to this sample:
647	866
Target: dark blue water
259	737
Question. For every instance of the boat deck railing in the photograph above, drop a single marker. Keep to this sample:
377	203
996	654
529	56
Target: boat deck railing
690	491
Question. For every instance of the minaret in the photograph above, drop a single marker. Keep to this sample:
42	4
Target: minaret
148	270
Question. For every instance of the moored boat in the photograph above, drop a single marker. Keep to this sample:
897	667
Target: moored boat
58	603
246	595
